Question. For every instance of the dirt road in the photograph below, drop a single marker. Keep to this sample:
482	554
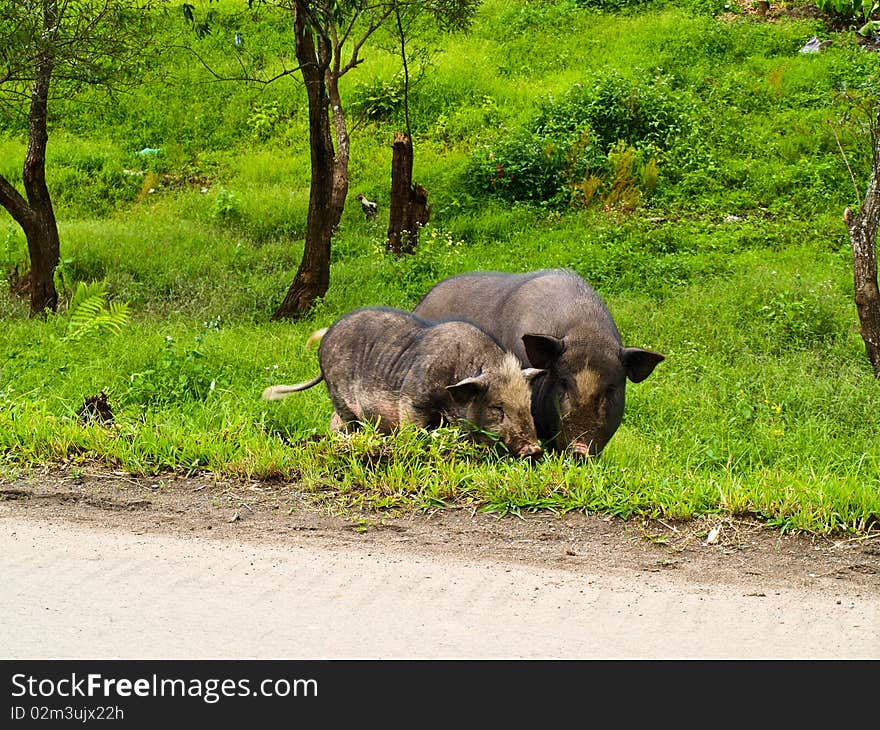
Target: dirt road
104	566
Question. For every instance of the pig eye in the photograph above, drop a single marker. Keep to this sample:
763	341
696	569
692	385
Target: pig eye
496	412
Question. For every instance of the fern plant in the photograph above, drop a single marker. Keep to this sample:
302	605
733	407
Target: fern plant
90	313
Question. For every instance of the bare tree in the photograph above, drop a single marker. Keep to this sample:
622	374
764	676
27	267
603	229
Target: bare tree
56	46
408	208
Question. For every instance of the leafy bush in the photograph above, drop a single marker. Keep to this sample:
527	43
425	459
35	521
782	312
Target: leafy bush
627	175
226	206
264	120
599	141
525	166
697	6
848	8
529	168
615	5
615	108
378	100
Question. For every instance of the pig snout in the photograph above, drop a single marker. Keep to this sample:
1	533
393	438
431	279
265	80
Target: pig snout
529	451
583	449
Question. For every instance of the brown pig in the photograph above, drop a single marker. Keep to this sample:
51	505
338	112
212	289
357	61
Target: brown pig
390	367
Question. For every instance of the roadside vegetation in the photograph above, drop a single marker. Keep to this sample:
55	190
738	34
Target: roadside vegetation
685	158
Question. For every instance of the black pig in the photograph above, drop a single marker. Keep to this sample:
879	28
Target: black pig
553	320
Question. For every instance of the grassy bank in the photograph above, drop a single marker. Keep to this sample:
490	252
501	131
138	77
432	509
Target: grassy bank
730	258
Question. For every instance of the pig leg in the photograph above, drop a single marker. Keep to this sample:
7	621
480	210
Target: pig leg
337	424
343	420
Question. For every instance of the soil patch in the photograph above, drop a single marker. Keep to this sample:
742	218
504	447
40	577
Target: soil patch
709	550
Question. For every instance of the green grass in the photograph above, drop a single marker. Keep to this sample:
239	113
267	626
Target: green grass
736	267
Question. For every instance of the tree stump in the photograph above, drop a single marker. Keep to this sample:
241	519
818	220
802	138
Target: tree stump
408	209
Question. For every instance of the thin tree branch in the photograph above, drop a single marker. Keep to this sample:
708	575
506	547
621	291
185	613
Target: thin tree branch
253	79
402	36
373	27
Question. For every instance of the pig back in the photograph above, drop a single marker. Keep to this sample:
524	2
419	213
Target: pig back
552	302
448	351
369	347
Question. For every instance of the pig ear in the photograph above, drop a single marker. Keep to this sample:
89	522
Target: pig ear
468	389
542	350
639	364
531	373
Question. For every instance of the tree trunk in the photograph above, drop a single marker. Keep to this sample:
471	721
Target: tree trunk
42	231
862	229
340	161
43	247
36	215
329	168
408	207
863	241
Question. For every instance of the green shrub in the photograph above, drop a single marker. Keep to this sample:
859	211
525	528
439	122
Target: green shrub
178	374
613	108
378	100
862	9
265	119
598	141
615	5
226	205
709	7
525	166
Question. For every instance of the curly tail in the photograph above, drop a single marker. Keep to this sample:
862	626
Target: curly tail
277	392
